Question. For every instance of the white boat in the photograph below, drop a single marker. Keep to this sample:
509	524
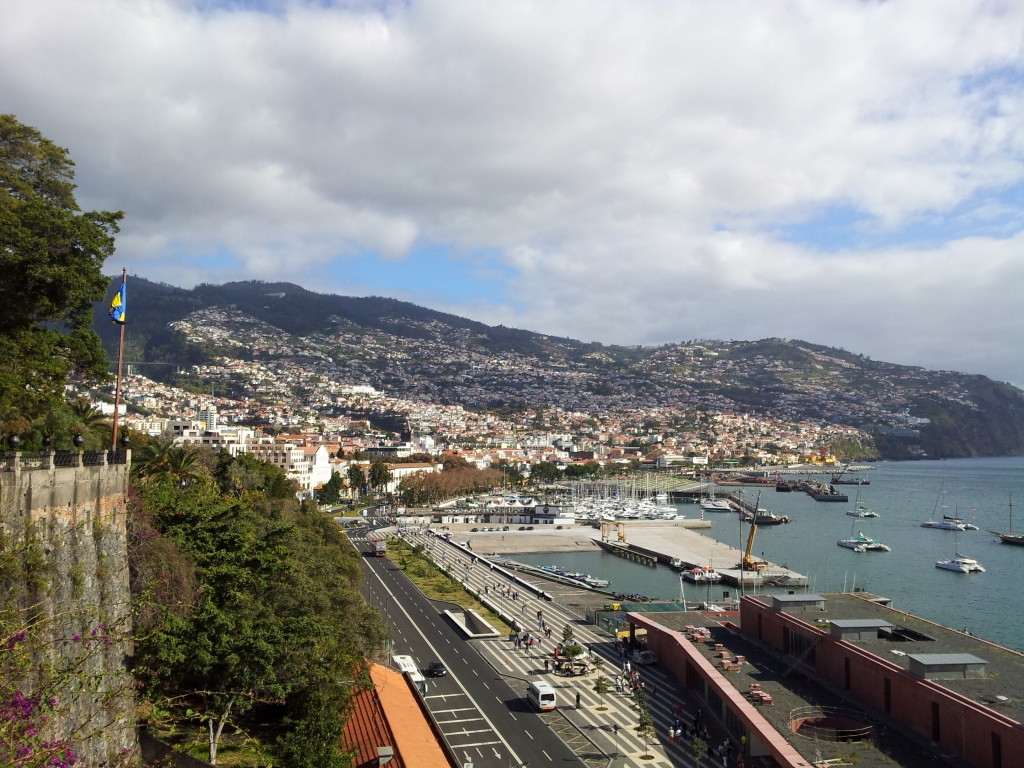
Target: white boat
859	510
702	575
959	563
710	504
862	543
947	523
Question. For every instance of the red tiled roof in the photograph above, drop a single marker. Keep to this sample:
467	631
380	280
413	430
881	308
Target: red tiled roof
368	729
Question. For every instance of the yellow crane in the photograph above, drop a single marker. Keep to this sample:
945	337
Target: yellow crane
607	526
749	563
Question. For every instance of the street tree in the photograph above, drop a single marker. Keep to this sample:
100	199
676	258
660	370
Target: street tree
51	259
330	492
601	687
645	730
380	475
567	634
356	477
697	749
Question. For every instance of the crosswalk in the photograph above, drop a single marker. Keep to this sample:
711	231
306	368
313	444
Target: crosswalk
597	717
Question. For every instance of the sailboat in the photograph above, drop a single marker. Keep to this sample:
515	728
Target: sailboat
859	510
1011	537
946	523
711	504
958	562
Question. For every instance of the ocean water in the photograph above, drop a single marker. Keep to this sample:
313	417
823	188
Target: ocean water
904	494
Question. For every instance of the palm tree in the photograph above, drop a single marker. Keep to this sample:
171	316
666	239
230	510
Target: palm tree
84	413
183	465
151	459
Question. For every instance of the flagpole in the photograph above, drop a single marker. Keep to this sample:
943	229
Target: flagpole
120	358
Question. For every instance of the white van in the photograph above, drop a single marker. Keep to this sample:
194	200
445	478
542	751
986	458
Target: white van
408	666
541	695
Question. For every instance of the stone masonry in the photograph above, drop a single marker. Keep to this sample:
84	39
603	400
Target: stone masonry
65	515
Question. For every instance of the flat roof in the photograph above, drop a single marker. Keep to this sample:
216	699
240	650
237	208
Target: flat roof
797	598
928	659
859	623
1005	666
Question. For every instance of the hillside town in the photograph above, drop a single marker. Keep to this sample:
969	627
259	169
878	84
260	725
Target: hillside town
307	403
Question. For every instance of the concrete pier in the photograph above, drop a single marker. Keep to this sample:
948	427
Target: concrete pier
666	543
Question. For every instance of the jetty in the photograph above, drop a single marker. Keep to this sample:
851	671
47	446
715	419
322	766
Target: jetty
652	544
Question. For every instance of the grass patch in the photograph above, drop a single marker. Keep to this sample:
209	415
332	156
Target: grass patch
436	585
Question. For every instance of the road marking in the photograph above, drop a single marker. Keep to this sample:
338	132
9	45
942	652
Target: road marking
467	733
487	686
546	755
459	720
452	675
528	734
482	744
513	716
473	671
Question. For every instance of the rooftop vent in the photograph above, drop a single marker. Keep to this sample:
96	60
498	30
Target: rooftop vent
858	629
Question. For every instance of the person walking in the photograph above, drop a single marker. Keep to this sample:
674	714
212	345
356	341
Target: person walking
577	699
654	690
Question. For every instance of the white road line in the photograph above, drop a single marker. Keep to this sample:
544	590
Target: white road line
467	733
546	755
451	674
528	734
482	744
459	720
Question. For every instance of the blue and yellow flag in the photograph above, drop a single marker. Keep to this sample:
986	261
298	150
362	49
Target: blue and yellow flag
119	304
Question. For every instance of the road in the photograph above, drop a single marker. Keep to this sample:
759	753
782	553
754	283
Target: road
485	720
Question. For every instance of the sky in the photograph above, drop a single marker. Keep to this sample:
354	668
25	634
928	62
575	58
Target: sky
641	172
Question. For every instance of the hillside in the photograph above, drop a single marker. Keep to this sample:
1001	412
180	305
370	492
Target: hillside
414	352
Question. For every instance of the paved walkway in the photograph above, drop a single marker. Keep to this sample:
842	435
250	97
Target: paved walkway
624	747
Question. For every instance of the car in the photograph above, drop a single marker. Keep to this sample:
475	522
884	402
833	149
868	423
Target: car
505	528
529	527
558	527
437	669
475	530
522	527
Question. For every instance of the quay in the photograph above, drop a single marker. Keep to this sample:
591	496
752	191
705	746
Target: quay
664	543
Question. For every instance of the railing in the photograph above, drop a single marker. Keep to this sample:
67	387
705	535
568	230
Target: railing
16	461
830	724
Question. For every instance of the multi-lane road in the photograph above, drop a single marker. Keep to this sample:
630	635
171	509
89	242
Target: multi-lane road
483	715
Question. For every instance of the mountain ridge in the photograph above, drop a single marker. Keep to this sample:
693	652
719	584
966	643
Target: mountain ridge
415	351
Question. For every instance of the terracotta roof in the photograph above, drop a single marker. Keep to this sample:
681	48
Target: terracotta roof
392	701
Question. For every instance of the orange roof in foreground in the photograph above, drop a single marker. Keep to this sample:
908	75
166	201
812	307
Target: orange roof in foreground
390	715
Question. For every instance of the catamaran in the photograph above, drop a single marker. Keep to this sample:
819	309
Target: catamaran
859	510
862	543
958	562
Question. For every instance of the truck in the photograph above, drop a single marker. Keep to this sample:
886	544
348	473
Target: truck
380	548
644	657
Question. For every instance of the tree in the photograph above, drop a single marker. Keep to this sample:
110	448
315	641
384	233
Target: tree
380	475
356	477
88	419
567	634
572	652
645	729
51	257
545	472
697	749
331	490
601	687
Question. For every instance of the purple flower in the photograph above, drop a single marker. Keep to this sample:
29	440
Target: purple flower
76	637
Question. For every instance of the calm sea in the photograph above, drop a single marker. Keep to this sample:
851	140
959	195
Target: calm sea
904	494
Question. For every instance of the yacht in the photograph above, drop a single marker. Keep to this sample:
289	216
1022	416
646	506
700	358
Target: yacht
947	523
710	504
1010	537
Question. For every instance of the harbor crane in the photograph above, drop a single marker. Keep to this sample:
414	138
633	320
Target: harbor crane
606	530
749	563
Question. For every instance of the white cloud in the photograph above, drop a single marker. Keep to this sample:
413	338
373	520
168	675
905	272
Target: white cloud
631	160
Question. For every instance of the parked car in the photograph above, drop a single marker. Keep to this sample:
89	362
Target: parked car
505	528
529	527
522	527
437	669
475	530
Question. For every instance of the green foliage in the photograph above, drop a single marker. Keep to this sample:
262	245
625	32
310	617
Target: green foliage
380	475
545	472
276	615
697	750
588	469
330	493
568	634
51	255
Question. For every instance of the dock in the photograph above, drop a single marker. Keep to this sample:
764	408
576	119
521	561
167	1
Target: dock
662	544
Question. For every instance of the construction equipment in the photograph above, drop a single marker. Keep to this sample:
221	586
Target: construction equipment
606	530
749	563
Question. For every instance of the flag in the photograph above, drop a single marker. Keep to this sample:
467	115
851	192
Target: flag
119	304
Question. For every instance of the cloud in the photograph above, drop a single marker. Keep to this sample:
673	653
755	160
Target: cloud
641	169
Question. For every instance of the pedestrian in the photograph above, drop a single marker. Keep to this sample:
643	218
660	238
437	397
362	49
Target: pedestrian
546	665
618	685
654	690
672	734
679	709
577	699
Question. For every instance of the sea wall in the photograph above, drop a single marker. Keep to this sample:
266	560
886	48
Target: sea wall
64	579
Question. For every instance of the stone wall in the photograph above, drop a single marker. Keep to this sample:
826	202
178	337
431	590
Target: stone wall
64	516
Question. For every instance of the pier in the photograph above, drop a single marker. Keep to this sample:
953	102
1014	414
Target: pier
662	544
